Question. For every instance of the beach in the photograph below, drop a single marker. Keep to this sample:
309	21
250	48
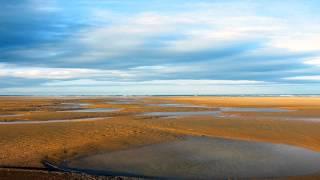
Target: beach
292	121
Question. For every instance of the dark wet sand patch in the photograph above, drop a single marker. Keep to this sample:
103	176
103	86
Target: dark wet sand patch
43	174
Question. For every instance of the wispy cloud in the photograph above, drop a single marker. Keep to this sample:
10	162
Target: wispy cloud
7	70
304	78
176	82
313	61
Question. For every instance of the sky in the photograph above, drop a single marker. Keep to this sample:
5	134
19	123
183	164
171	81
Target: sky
150	47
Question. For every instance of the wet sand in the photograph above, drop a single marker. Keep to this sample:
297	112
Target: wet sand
26	145
204	158
43	174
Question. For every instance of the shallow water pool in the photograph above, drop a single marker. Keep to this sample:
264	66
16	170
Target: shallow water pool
183	114
178	105
241	109
95	110
204	158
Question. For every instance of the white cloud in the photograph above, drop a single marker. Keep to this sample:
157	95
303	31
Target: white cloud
314	61
304	41
164	69
215	32
304	78
12	70
122	37
177	82
196	31
8	70
203	82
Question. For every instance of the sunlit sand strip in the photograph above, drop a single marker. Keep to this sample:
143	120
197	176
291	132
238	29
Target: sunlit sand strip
53	121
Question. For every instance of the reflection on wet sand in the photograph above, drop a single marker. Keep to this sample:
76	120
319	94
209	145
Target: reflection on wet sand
74	105
178	105
96	110
201	157
216	113
183	114
123	101
238	109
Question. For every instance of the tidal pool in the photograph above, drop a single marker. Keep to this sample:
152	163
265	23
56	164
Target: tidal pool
239	109
76	104
123	101
178	105
95	110
51	121
69	106
183	114
290	118
203	158
216	113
